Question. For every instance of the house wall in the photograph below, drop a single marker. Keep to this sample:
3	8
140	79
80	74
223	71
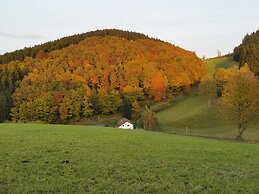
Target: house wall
126	125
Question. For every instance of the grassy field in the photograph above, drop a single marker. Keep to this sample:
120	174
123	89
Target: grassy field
219	62
79	159
190	115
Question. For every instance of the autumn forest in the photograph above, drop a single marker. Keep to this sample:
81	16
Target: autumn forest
94	75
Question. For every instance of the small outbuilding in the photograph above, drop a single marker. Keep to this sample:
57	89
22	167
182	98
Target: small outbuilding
125	124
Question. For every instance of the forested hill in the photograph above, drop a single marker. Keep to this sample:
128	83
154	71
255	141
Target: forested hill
66	41
96	76
248	52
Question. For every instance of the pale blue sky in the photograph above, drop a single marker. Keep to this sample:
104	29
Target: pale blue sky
202	26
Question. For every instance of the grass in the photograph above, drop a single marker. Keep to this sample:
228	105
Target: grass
190	115
219	62
79	159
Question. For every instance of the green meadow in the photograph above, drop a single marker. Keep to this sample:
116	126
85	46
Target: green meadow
78	159
190	115
219	62
42	158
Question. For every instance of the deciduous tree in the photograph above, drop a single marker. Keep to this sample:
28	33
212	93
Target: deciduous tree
208	89
148	119
157	86
240	100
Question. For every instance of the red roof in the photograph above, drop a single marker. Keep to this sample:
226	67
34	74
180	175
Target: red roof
122	121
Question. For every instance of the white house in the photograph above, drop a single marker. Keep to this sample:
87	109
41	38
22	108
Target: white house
125	124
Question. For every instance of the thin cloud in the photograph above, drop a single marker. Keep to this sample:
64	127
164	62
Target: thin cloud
21	36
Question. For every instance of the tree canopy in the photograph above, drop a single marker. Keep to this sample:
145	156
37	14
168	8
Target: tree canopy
248	52
240	100
67	41
95	75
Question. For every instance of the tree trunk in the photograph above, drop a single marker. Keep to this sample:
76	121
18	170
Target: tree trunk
240	132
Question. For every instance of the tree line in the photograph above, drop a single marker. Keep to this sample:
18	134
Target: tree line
248	52
10	75
66	41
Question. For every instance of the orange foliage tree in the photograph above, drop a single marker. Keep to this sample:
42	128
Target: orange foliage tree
157	86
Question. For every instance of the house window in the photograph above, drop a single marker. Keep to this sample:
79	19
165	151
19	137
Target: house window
128	125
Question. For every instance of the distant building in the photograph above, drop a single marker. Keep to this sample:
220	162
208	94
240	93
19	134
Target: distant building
125	124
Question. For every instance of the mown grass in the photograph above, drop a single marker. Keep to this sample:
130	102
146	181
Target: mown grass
79	159
190	115
219	62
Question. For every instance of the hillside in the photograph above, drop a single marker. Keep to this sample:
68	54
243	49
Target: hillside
219	62
175	116
95	76
248	52
67	41
201	121
78	159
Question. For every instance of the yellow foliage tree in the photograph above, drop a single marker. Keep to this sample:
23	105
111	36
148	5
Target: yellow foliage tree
240	100
208	89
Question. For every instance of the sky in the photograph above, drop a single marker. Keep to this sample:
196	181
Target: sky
203	26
